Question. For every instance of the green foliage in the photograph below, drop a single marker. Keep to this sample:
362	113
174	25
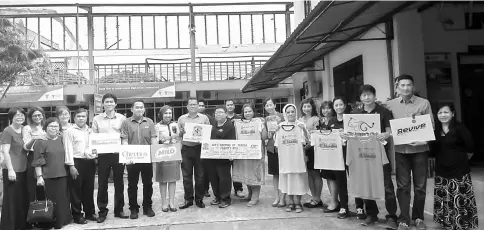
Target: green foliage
18	61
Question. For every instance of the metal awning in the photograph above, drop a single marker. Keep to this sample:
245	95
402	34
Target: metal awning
330	25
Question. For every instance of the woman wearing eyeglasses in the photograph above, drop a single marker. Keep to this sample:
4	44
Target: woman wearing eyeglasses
64	116
49	158
31	133
15	197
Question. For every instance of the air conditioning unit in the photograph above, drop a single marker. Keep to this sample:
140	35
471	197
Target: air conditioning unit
207	95
70	99
181	95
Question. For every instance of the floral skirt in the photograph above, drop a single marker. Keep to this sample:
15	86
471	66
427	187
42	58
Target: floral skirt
455	203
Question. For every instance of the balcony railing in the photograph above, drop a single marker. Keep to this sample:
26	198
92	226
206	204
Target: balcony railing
178	71
172	71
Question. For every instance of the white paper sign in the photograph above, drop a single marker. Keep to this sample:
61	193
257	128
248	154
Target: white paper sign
197	132
135	154
105	142
407	130
231	149
362	124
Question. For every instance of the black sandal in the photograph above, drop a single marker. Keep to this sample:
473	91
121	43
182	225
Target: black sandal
172	209
313	204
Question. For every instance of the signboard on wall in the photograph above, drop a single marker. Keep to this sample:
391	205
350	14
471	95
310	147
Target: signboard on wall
18	94
139	90
98	106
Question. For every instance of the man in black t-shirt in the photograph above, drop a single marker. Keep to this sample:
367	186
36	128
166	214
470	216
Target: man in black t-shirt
368	98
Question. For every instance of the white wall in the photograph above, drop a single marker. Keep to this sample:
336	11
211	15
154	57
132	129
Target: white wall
375	64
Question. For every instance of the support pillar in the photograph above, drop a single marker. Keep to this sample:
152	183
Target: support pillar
408	46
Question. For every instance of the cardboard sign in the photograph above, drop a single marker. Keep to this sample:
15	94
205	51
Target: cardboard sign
135	154
105	142
362	124
407	130
197	132
166	152
231	149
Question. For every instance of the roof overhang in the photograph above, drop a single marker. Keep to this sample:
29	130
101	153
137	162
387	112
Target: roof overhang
330	25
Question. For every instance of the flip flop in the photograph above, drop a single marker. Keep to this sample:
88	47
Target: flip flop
290	208
298	208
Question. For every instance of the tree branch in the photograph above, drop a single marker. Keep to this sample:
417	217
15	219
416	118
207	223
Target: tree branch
5	91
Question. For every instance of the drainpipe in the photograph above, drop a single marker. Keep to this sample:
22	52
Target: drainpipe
389	34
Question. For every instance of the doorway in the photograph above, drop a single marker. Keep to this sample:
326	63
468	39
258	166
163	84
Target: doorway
471	80
348	78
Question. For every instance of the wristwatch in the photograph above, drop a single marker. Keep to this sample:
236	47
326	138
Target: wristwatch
39	176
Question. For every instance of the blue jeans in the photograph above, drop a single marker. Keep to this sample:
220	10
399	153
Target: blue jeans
411	166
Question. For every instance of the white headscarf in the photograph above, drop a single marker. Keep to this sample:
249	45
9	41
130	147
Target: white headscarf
285	115
296	122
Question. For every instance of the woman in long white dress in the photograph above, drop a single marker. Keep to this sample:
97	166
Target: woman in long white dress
293	176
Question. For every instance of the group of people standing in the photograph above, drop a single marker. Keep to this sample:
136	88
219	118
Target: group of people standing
454	199
53	156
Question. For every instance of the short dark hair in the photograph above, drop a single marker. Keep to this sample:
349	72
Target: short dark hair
163	111
310	101
267	100
453	122
203	101
52	120
31	112
220	107
404	77
367	88
110	95
13	111
229	100
344	102
325	104
138	100
60	109
192	98
80	110
251	106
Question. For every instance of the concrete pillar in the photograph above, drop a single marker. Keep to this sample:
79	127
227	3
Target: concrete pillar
298	12
409	48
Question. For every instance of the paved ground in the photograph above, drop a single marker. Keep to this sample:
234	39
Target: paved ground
262	216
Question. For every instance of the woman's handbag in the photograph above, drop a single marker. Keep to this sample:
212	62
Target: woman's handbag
40	211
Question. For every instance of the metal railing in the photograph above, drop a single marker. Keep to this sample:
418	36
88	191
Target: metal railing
176	71
54	77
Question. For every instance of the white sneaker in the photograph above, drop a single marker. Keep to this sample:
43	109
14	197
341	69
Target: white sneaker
360	214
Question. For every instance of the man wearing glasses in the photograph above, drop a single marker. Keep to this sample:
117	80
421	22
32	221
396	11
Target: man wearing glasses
191	162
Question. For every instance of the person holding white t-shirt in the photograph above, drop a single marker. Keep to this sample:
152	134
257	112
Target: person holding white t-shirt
293	176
